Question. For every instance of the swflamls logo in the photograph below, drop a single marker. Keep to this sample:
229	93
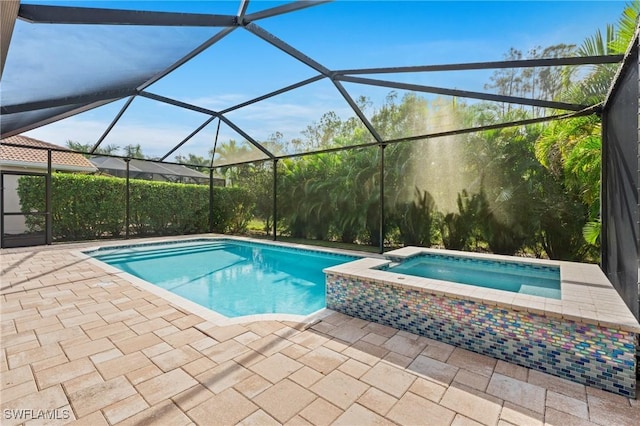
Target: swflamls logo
30	414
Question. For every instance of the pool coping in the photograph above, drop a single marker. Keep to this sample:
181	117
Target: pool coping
586	294
195	308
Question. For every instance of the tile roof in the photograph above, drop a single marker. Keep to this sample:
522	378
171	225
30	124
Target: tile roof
37	158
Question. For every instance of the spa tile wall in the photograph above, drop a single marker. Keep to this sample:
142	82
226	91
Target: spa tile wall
584	353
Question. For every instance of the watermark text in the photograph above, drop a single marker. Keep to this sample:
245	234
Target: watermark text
31	414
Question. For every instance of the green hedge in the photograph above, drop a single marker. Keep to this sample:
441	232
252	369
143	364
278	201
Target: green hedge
86	207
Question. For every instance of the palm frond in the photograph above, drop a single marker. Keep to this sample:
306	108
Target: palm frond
591	232
597	45
627	27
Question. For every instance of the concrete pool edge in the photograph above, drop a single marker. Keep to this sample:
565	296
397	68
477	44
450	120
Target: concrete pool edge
592	335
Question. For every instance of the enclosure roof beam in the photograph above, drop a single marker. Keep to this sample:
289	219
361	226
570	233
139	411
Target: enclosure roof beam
42	14
523	63
122	157
274	93
113	123
177	103
525	122
290	50
68	100
286	48
587	111
246	136
233	108
357	110
8	15
242	11
207	112
241	163
54	118
285	8
463	93
628	60
185	140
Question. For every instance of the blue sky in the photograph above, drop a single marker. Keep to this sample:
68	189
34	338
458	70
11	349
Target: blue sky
342	34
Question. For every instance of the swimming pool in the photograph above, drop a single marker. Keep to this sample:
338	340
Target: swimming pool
233	278
516	277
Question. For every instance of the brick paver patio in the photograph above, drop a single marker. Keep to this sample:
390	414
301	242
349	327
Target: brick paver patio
84	346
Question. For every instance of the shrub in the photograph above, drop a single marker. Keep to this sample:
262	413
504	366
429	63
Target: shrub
232	209
88	207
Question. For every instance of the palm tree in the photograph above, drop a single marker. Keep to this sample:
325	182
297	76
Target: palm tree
86	147
133	151
194	161
228	153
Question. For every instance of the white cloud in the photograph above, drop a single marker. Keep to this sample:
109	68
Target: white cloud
155	140
264	118
74	128
218	102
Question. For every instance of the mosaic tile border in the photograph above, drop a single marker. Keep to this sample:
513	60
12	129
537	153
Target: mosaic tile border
95	250
244	241
584	353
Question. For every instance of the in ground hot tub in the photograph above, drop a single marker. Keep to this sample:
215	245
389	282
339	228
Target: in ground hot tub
587	334
512	275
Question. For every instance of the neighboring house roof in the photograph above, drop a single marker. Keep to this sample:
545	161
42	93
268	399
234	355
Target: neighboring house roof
37	158
180	170
112	163
108	163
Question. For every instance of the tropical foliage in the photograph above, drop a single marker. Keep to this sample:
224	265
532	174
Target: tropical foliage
571	149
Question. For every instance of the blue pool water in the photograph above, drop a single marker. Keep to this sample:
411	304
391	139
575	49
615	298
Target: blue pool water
516	277
231	277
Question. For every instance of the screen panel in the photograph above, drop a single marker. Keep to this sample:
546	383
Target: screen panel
620	186
89	59
23	210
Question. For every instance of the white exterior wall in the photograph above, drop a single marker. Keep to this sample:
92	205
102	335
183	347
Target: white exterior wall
14	224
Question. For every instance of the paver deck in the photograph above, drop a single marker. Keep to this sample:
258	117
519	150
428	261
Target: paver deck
84	346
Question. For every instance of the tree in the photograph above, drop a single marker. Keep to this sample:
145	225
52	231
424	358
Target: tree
133	151
536	82
228	153
507	81
86	147
194	160
322	134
